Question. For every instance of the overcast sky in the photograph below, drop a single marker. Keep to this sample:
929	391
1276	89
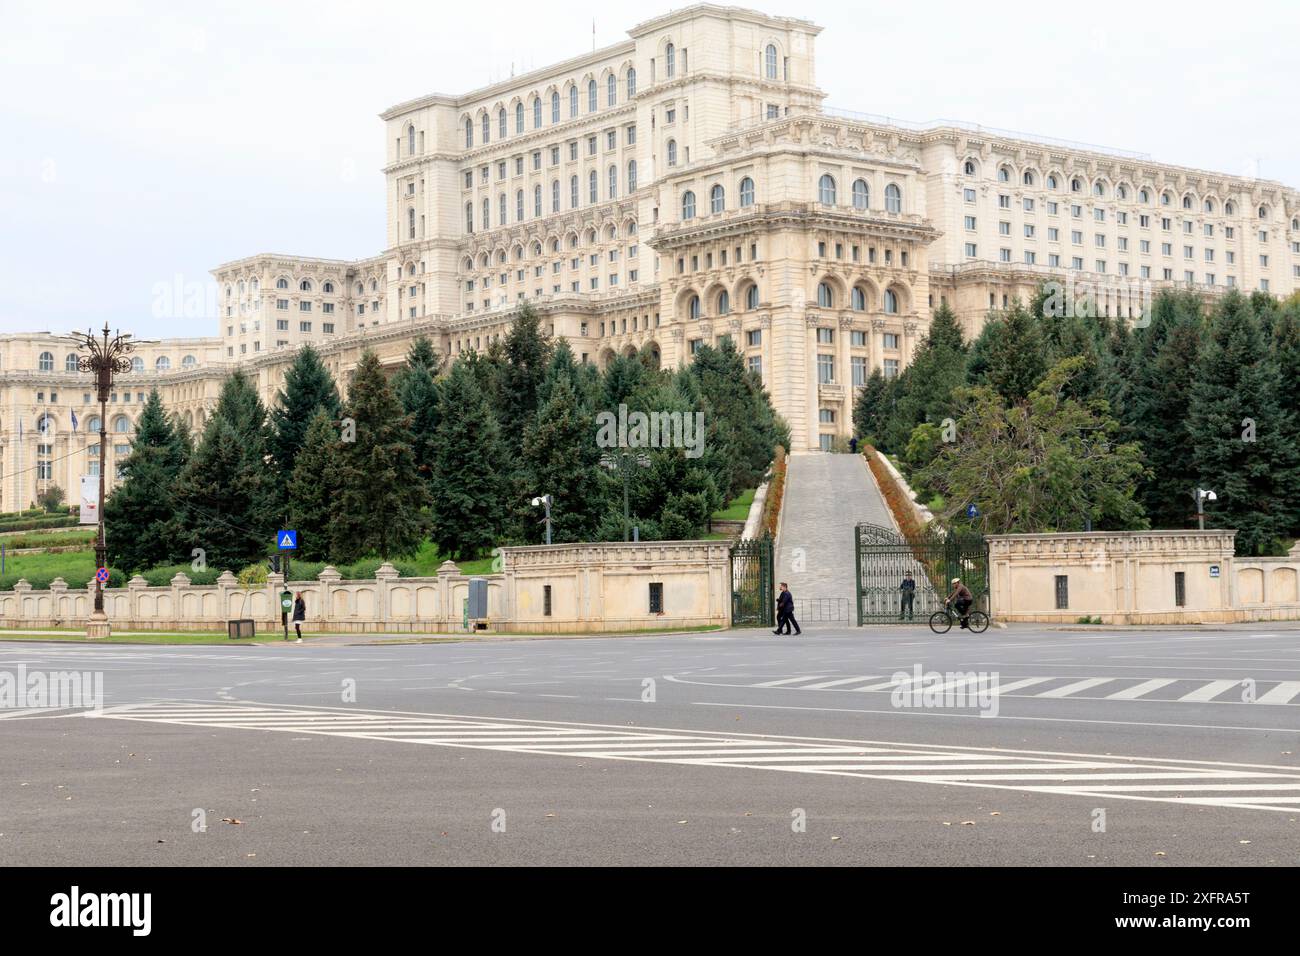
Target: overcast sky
146	142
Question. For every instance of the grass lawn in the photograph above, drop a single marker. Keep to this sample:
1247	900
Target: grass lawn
75	567
12	540
738	508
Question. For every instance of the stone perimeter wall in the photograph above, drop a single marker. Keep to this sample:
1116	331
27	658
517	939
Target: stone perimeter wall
593	587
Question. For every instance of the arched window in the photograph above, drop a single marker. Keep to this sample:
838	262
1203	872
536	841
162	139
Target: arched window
329	287
410	140
487	213
826	190
519	117
46	362
1187	202
573	192
1209	205
1028	178
591	96
537	200
1143	196
693	307
613	182
189	362
1165	199
825	295
555	107
573	101
410	223
631	175
469	217
537	112
769	61
45	424
670	61
631	82
70	362
891	301
1076	185
469	132
163	363
688	205
751	297
1263	212
501	124
717	199
611	90
1052	182
519	205
555	195
282	283
1099	188
858	299
724	302
1004	174
893	198
968	168
304	285
92	424
593	187
1229	208
672	152
121	424
1121	192
137	364
860	194
487	129
746	192
501	209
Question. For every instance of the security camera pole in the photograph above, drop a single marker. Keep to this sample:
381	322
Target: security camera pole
545	501
106	357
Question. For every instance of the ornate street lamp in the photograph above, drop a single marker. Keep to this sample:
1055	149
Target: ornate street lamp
105	358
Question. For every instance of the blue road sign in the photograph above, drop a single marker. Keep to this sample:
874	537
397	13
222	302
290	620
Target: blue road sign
286	540
972	511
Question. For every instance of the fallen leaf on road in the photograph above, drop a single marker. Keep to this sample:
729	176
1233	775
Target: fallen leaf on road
1160	852
968	823
1243	842
681	821
834	838
995	813
232	821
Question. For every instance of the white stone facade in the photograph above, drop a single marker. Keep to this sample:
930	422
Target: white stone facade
688	184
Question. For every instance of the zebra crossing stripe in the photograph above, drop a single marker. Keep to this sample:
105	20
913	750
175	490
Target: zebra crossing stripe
1219	785
1139	690
1075	687
1281	694
836	683
1210	691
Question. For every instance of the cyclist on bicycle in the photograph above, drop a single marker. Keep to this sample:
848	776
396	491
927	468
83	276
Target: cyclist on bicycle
961	599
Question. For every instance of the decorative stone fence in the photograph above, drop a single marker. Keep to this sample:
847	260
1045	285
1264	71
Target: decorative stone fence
560	589
1138	577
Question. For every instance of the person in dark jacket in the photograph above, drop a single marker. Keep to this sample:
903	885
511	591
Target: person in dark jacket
299	614
908	588
785	611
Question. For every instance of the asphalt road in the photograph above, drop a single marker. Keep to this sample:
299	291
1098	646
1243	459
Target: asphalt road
1108	748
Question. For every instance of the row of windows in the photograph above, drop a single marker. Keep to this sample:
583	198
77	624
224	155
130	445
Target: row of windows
1100	189
45	362
539	206
828	193
589	238
520	113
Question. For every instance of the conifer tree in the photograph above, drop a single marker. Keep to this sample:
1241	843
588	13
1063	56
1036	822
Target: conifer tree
313	489
140	521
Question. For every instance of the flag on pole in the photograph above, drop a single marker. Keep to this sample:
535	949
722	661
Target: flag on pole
74	421
20	429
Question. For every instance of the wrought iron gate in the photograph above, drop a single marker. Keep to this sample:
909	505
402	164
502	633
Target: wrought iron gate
753	602
933	558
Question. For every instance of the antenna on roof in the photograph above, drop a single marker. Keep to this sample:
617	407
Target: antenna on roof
593	34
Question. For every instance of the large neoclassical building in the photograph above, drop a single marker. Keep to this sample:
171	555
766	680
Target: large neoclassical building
683	185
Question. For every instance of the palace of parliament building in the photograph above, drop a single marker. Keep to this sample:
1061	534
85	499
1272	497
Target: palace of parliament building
684	185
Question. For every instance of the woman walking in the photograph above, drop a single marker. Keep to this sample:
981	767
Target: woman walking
299	614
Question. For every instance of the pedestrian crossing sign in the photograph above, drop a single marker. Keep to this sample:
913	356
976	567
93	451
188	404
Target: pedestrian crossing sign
286	540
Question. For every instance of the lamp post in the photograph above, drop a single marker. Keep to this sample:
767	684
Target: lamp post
623	461
105	358
545	501
1202	495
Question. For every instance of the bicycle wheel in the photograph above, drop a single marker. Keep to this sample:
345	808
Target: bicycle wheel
940	622
978	622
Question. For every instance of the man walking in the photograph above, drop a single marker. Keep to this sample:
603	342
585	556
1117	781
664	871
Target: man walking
785	611
908	587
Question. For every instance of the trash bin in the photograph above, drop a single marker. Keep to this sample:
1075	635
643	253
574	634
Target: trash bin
244	627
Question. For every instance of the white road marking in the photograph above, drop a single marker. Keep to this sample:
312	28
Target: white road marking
1211	690
1077	686
1138	690
833	683
1211	783
1281	694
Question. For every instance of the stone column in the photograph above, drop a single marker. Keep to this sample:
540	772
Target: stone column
180	583
384	579
878	344
450	616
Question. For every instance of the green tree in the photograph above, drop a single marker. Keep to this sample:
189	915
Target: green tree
140	516
1010	354
1043	463
380	497
308	386
738	400
526	354
871	408
469	484
1239	430
561	459
314	488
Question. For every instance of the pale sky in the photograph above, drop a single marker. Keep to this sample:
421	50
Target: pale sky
146	142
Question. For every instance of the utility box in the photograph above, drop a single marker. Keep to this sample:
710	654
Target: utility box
478	599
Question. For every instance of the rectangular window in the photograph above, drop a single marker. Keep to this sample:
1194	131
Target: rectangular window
546	600
859	366
1062	592
1180	589
825	336
825	369
656	597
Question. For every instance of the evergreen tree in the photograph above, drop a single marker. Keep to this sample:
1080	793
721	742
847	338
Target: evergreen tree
527	352
140	520
470	483
1286	347
737	398
561	458
379	494
308	386
1010	355
313	489
225	500
871	409
1239	429
623	378
417	391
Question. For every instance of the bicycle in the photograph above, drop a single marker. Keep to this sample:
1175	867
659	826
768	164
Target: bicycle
941	622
